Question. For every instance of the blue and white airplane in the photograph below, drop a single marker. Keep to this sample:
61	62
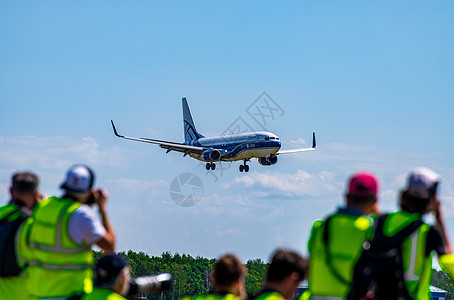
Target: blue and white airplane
265	146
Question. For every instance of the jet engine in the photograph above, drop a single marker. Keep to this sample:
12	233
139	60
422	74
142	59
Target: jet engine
268	160
211	155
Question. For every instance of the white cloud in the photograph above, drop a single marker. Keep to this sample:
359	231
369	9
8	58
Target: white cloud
233	232
297	184
55	152
299	141
135	187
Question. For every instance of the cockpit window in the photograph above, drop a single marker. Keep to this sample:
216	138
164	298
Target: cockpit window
267	138
272	138
277	139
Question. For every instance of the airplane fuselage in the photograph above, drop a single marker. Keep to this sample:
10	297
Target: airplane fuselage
239	146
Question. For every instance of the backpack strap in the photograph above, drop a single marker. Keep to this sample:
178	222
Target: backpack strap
399	237
328	259
393	246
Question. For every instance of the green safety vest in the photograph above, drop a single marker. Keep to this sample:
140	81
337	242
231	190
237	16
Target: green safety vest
15	287
58	267
269	296
417	266
216	297
331	265
102	294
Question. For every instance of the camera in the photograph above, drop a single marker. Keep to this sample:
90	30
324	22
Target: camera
93	196
149	285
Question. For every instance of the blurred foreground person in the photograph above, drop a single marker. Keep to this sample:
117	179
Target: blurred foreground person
24	196
112	279
227	279
417	242
61	236
335	244
285	272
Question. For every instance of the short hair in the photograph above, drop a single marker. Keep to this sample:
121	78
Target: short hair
285	262
413	204
227	270
356	199
24	182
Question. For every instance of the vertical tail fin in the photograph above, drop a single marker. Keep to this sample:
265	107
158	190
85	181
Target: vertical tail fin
190	133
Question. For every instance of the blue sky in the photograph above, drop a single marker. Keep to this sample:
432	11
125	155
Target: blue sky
374	80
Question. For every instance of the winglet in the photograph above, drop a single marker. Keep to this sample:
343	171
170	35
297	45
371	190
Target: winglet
314	144
114	129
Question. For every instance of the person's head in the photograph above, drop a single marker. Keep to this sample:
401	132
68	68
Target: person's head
228	275
362	192
286	270
78	183
112	272
421	189
24	188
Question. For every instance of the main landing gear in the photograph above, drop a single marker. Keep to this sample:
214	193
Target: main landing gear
244	167
211	166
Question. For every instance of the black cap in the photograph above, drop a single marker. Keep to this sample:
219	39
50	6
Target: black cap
108	268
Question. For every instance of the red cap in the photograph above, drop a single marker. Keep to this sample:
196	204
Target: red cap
363	184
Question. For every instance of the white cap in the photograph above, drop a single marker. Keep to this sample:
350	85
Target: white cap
79	179
422	183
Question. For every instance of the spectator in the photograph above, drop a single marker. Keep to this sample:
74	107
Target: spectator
112	278
61	236
24	196
335	244
227	279
417	199
286	271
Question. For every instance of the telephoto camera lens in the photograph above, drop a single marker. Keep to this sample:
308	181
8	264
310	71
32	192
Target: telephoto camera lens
150	284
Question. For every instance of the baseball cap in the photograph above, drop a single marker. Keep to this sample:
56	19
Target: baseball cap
363	184
422	183
79	179
108	268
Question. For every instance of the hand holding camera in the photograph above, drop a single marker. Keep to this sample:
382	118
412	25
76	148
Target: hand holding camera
98	196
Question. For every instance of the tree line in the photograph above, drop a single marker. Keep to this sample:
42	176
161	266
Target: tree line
191	275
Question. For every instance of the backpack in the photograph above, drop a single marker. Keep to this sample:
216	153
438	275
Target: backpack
8	260
379	273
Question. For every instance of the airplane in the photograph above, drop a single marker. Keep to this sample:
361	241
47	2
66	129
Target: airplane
265	146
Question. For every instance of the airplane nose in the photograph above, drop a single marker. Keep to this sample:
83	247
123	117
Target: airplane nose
278	144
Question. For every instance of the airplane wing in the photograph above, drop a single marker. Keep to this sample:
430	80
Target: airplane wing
170	146
314	145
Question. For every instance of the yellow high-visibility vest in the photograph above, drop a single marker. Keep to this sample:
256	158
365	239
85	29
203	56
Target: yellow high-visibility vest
102	294
417	266
58	266
269	296
216	297
331	264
